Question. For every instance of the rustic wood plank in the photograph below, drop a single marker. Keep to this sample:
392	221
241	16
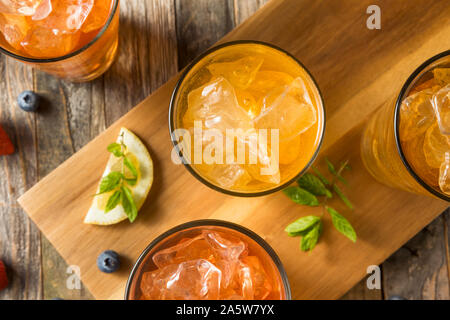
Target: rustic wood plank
61	128
19	237
147	55
419	270
361	292
244	9
201	23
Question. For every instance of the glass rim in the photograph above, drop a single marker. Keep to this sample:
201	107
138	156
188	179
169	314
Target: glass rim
398	104
172	124
71	54
214	223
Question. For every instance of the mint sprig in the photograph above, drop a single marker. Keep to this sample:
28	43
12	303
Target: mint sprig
117	181
301	196
315	190
314	185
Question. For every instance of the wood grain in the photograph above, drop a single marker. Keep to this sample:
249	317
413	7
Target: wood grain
19	238
62	127
350	83
199	24
423	259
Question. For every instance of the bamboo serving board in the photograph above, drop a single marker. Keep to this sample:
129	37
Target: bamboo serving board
357	70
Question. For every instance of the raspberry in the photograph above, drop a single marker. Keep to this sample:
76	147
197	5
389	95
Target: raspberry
3	277
6	146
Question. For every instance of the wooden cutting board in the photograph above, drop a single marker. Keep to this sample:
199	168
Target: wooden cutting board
357	70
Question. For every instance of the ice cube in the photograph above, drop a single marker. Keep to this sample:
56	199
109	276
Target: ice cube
216	105
441	106
43	10
247	101
288	109
267	168
444	174
189	249
97	19
418	161
245	277
67	16
265	81
14	29
191	280
225	246
442	76
19	7
435	146
228	250
253	272
229	175
417	115
42	42
239	73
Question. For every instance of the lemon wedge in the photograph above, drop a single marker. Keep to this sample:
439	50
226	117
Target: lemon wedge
139	156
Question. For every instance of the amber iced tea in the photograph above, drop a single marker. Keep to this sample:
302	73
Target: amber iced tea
208	263
408	146
250	87
73	39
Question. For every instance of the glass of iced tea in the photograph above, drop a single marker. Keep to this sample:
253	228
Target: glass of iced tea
246	118
71	39
208	260
407	142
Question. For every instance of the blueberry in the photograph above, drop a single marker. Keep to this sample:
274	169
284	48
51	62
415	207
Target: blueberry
28	101
396	297
108	261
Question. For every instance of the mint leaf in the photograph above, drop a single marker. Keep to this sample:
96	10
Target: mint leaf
342	225
116	149
131	181
110	182
301	196
130	166
113	201
321	176
314	185
128	204
343	197
299	226
309	240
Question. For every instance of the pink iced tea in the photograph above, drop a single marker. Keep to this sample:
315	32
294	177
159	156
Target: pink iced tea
209	263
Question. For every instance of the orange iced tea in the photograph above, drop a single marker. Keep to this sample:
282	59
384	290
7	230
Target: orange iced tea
269	102
408	146
209	263
73	39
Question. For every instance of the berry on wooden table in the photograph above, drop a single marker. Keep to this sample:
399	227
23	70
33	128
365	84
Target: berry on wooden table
3	276
28	101
108	261
6	146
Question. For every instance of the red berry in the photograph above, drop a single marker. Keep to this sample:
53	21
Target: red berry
6	146
3	277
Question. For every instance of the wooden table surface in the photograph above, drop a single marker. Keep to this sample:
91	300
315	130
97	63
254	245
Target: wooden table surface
157	38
